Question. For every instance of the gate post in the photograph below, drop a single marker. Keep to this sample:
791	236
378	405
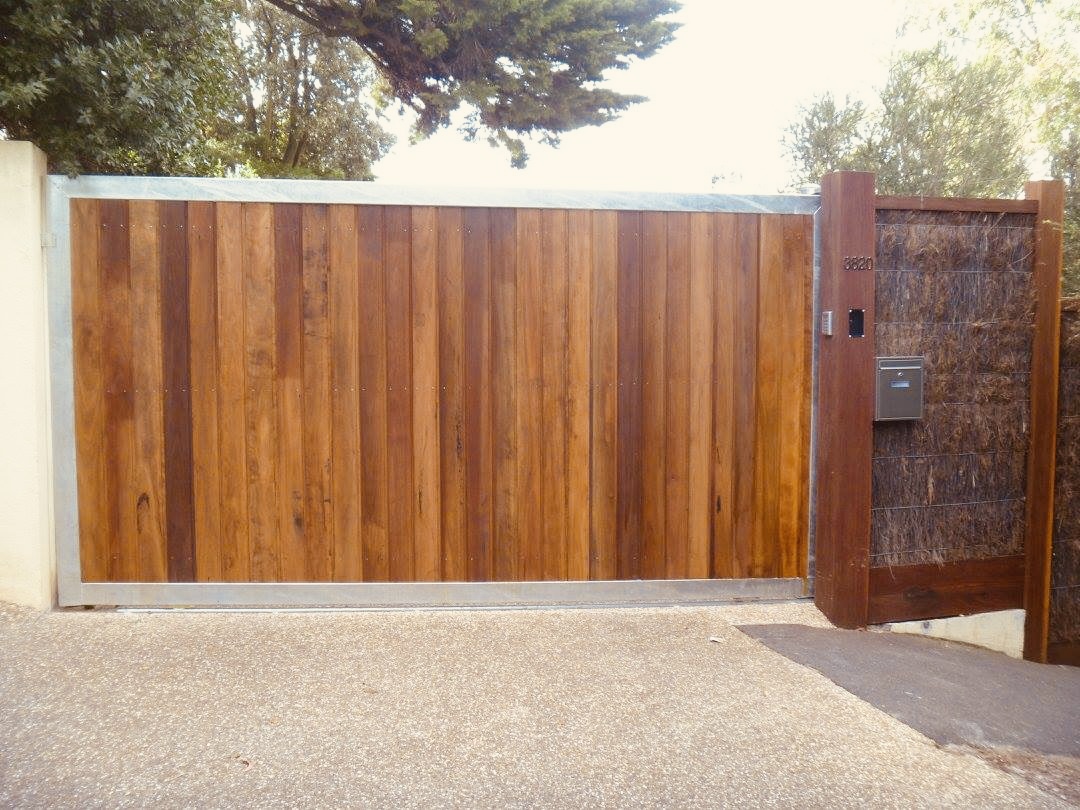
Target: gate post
845	399
27	574
1044	412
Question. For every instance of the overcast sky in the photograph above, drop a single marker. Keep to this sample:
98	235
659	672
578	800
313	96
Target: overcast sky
720	97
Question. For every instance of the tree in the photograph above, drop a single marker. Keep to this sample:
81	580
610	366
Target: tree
826	138
521	67
114	86
303	102
941	127
141	86
995	101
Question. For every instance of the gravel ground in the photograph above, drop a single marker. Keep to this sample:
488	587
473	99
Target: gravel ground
568	708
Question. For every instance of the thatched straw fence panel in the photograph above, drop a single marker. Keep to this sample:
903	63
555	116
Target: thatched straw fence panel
1065	568
956	288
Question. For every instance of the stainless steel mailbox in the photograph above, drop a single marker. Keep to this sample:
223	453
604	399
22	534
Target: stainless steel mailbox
899	389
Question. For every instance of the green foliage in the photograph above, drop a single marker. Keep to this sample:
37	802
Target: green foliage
520	67
303	102
160	86
942	127
998	94
827	138
114	86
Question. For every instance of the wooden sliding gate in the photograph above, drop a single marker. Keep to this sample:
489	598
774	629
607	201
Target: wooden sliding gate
359	393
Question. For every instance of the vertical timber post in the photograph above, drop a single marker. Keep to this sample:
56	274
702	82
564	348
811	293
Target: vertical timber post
1044	412
845	404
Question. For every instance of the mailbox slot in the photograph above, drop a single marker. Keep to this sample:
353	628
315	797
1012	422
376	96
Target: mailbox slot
898	389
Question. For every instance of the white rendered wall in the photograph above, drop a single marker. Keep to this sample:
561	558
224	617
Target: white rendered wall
1000	630
27	569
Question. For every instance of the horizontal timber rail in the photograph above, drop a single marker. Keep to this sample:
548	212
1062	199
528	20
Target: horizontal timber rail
956	204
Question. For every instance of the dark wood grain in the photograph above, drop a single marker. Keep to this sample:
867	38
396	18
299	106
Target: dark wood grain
344	313
452	395
231	393
504	382
654	396
149	391
289	391
1045	371
553	258
425	392
630	432
743	386
399	398
604	480
368	393
373	394
479	460
845	402
202	293
677	351
911	592
88	324
317	421
176	366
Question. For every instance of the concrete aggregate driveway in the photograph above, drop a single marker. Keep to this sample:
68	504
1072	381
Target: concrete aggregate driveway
556	708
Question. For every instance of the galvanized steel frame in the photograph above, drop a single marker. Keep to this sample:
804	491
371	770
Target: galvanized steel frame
72	590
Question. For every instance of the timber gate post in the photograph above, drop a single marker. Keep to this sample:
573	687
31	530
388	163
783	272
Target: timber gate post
1044	412
845	406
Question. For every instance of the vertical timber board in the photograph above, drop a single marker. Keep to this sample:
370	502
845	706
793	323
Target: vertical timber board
373	383
764	560
795	393
702	316
630	486
176	364
579	350
425	392
118	360
530	394
231	393
344	314
654	397
725	313
479	461
202	260
149	390
504	375
260	420
677	351
451	395
289	391
553	257
845	401
743	384
87	339
397	243
1044	408
603	480
317	427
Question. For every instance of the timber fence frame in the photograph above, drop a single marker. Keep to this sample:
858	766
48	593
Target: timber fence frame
72	590
847	590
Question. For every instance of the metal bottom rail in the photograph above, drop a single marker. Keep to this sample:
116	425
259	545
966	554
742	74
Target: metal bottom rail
429	595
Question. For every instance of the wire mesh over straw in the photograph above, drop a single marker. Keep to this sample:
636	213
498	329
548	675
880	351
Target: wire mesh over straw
1065	566
955	288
